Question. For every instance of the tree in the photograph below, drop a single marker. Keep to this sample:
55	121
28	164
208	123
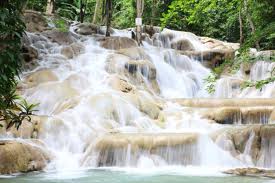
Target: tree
50	7
140	6
107	14
96	11
12	111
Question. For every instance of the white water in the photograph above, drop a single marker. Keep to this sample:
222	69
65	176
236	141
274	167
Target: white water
82	106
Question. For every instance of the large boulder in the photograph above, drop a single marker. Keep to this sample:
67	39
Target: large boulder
251	144
87	29
215	44
39	77
18	156
116	43
182	44
35	21
211	58
253	172
134	53
239	115
141	73
62	38
72	50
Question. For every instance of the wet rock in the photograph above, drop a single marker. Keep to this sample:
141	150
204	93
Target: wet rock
245	69
239	115
72	50
141	73
145	103
55	94
116	43
210	58
134	53
253	172
87	29
209	103
151	30
183	44
218	45
120	84
29	54
18	157
251	143
39	77
35	21
62	38
170	148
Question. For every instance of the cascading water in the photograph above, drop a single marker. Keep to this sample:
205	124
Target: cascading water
115	108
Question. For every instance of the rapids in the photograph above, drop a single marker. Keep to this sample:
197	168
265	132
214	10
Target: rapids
121	109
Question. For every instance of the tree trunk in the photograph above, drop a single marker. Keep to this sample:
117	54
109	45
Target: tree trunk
81	13
108	15
251	23
154	9
140	6
97	10
241	27
50	7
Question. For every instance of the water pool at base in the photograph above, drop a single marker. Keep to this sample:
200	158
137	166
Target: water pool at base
106	176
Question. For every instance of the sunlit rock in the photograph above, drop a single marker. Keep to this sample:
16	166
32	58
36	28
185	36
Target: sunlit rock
17	156
39	77
62	38
253	172
72	50
127	149
116	43
35	21
182	44
87	29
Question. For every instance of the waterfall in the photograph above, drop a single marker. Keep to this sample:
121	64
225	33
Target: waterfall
118	108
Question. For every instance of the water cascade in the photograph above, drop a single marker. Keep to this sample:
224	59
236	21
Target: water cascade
143	107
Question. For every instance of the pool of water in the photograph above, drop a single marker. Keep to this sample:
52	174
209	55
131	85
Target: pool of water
108	176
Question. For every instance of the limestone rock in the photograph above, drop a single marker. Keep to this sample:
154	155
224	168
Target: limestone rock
116	43
62	38
39	77
211	58
29	53
135	53
35	21
87	29
182	44
138	72
118	83
253	172
72	50
16	156
217	44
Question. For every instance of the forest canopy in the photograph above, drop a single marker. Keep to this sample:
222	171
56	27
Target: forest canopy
228	20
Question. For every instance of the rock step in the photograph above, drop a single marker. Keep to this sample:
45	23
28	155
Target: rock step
214	103
240	115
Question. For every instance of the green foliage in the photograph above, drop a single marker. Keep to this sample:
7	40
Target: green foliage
12	111
37	5
61	24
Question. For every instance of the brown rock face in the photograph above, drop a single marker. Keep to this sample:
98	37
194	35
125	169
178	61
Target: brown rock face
35	22
211	58
72	50
63	38
254	172
29	53
183	44
254	140
17	157
87	29
116	43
